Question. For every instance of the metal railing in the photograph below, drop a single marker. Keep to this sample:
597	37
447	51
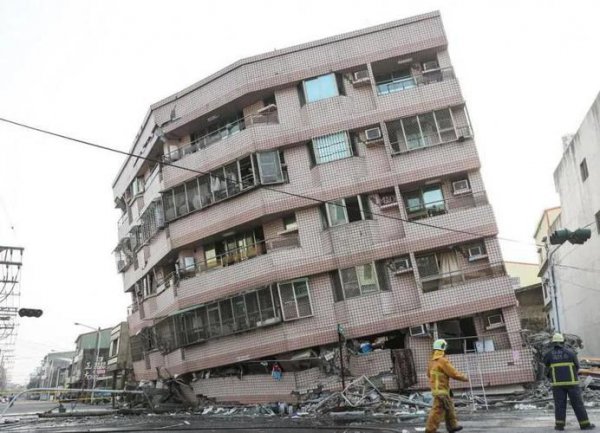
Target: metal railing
422	79
222	133
441	207
432	281
421	141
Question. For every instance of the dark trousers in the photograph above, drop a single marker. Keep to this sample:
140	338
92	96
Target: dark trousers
560	394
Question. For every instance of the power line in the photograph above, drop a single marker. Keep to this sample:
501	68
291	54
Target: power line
223	178
578	268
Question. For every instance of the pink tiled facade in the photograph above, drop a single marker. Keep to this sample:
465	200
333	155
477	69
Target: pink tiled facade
167	256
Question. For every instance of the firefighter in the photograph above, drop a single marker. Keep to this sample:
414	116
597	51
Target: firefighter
562	367
439	372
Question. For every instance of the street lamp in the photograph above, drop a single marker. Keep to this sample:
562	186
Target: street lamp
95	367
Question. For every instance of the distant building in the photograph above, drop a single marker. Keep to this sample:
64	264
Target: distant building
82	369
528	288
119	365
577	267
548	222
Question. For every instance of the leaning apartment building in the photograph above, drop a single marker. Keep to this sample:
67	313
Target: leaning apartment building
331	186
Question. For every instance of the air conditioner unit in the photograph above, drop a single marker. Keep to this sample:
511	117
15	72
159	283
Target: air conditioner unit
461	187
418	331
401	264
430	65
267	109
495	321
476	252
373	134
360	75
188	264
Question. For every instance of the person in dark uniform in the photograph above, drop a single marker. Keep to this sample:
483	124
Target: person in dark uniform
562	367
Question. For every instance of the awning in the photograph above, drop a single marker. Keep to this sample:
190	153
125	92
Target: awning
184	310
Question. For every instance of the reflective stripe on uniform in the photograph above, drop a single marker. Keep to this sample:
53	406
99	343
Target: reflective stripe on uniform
571	366
436	389
584	423
559	422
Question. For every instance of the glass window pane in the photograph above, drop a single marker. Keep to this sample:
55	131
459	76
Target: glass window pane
338	292
205	193
270	167
430	133
427	265
302	298
434	200
210	256
366	278
350	282
252	308
331	147
214	321
288	301
414	202
180	201
267	309
218	185
226	316
321	87
353	209
444	120
231	179
413	134
193	195
239	313
337	213
247	172
169	204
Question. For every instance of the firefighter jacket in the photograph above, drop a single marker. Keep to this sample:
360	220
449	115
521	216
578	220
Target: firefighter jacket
440	371
561	366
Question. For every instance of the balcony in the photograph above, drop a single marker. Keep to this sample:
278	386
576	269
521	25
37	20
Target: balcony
432	279
392	85
428	209
422	141
267	116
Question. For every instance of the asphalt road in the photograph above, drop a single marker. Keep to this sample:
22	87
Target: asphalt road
513	421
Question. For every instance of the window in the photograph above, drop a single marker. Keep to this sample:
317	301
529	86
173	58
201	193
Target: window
424	130
583	168
460	334
322	87
394	81
224	182
295	299
425	202
269	165
290	223
359	280
234	248
331	147
114	347
598	221
347	210
427	265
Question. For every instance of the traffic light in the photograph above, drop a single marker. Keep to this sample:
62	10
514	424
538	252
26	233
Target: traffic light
579	236
560	236
30	312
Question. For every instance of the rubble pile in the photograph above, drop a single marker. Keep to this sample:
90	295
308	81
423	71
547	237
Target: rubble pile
363	397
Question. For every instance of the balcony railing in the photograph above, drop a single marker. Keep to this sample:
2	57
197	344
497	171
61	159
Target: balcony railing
441	207
228	130
420	141
432	281
425	78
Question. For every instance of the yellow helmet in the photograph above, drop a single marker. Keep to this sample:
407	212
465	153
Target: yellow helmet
558	338
440	344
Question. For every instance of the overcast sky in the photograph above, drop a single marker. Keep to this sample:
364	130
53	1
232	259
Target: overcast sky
529	72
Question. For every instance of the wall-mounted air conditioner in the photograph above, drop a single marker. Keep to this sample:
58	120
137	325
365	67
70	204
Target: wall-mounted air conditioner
419	331
401	265
360	75
373	134
495	321
431	65
461	187
476	252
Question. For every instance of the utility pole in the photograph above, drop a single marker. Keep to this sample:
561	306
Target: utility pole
559	237
341	338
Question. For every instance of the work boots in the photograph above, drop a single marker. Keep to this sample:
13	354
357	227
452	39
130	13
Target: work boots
457	428
589	427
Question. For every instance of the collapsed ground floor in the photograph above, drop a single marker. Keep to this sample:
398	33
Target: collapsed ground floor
487	346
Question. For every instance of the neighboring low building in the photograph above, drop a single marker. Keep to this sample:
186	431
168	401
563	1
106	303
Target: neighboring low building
577	267
82	371
528	289
119	365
